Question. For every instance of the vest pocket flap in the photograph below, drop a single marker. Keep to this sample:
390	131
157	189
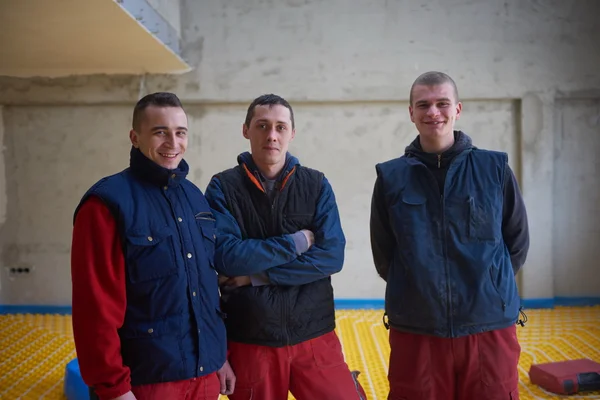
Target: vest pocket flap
208	232
148	237
150	254
298	215
413	199
207	227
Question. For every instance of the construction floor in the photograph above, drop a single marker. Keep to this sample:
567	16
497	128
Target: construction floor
34	349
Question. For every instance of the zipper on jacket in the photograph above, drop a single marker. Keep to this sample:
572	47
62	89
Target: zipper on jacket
445	253
284	296
445	250
273	210
449	308
284	302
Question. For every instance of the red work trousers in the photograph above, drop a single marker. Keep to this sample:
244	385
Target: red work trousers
475	367
311	370
204	388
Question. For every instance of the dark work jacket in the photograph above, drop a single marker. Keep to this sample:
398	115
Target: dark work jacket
254	236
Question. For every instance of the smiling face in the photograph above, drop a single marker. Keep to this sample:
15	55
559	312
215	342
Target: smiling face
162	135
434	110
270	132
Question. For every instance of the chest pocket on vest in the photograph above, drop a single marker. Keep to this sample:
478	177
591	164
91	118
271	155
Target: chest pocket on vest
150	254
481	219
207	225
410	213
298	221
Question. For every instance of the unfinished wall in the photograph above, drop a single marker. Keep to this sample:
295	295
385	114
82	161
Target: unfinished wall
576	193
2	190
323	50
347	72
54	154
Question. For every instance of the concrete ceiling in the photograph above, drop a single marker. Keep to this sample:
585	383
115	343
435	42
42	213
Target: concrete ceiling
54	38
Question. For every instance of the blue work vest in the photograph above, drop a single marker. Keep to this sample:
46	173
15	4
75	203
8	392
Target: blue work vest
451	273
173	327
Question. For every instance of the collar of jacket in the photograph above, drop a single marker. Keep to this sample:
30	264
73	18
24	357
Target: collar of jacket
462	142
253	173
149	171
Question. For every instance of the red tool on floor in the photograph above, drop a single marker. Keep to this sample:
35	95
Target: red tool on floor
567	377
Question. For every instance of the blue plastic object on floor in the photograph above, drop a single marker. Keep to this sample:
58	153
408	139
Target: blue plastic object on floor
75	388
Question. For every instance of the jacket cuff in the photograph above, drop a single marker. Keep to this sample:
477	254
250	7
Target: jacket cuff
300	242
110	393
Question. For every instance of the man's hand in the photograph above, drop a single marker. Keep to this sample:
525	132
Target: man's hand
310	237
127	396
226	378
235	282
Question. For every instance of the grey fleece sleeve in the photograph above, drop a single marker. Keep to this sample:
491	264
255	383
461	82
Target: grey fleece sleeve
515	227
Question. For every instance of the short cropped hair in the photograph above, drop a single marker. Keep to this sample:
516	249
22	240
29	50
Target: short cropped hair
268	100
159	99
433	78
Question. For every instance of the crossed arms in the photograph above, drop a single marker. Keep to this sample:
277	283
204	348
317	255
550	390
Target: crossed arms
277	257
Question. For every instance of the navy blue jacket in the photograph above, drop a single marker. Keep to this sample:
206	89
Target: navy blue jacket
440	239
173	328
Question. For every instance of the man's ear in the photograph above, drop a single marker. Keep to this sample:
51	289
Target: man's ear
245	131
133	136
458	109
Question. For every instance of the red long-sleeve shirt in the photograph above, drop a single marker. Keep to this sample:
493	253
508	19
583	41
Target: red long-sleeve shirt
99	299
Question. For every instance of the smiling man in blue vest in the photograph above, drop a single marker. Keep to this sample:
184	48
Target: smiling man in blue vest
146	317
279	241
449	232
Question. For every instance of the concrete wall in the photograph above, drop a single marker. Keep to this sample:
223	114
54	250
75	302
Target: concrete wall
2	187
347	72
576	193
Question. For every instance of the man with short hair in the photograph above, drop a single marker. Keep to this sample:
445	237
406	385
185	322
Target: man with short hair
146	317
279	241
449	232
